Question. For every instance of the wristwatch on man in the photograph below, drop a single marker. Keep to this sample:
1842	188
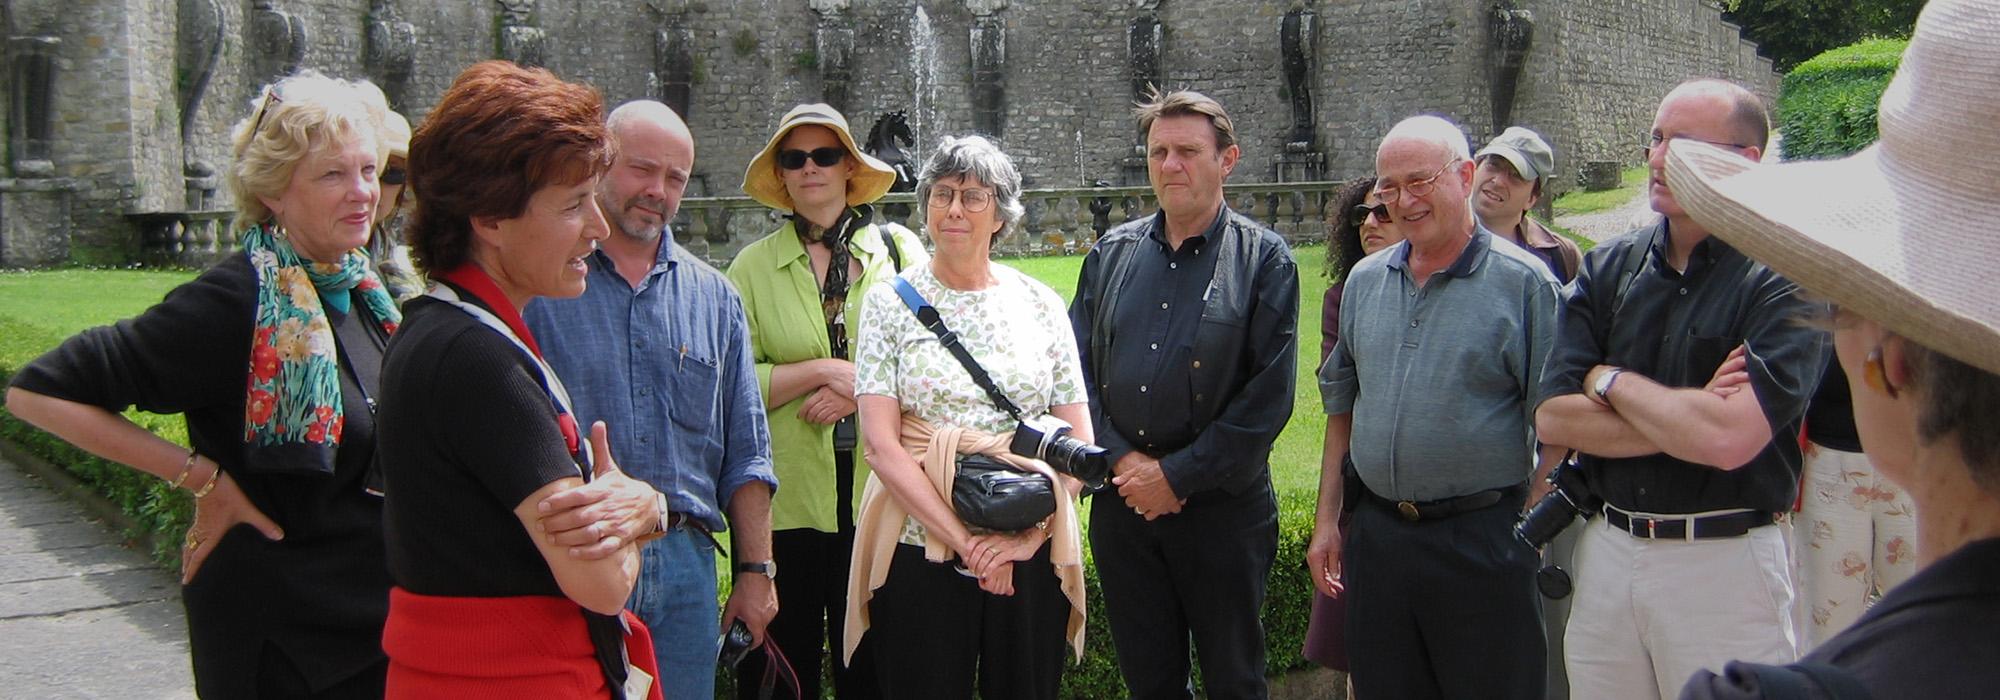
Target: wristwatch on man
1602	387
766	567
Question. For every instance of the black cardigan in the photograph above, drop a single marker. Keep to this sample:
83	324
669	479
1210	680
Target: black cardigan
320	595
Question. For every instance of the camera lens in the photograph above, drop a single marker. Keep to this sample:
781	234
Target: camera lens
1554	583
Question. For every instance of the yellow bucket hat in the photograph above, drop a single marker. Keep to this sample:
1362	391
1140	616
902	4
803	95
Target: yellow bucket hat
761	181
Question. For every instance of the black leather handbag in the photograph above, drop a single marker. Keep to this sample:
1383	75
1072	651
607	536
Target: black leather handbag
991	495
987	494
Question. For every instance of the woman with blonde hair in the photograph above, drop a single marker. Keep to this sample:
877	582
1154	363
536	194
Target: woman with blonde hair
272	356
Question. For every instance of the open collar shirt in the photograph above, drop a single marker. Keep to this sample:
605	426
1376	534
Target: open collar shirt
667	367
1675	327
1441	378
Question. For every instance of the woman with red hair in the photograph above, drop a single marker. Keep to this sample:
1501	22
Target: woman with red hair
477	430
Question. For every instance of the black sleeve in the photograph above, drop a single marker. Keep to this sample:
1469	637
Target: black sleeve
1786	356
1083	313
190	350
1577	348
500	425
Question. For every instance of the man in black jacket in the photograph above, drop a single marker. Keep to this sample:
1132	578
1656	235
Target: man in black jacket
1185	322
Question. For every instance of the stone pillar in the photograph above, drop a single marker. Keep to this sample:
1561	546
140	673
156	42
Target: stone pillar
833	42
278	41
989	66
1144	42
520	40
392	51
1512	32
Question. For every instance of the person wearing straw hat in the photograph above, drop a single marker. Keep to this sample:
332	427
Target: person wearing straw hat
1680	379
801	288
1513	170
657	347
385	240
1900	238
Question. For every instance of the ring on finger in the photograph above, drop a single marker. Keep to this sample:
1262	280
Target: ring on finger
193	539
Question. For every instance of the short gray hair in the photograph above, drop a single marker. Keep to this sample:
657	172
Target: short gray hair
978	159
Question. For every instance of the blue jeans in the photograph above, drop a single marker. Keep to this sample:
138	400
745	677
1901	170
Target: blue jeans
675	597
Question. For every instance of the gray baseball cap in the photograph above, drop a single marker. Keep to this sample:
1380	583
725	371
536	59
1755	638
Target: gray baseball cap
1526	150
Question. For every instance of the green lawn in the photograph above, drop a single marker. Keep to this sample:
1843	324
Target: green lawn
1581	202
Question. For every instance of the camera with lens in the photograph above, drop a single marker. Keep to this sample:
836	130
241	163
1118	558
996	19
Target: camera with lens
1047	438
1570	499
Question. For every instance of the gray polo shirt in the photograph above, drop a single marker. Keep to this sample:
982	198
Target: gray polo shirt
1441	378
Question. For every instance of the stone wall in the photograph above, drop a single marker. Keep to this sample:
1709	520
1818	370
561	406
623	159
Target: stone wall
1590	82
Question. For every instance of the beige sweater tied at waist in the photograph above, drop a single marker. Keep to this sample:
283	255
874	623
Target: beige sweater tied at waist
879	524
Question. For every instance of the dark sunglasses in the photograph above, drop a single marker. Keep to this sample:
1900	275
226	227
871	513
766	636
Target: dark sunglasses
1361	212
394	176
793	159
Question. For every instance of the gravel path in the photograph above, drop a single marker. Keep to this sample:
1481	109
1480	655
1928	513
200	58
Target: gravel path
1598	226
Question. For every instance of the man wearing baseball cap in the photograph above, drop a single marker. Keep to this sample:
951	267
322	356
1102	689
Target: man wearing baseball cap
1513	169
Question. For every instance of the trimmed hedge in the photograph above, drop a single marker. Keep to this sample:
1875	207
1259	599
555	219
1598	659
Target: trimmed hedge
1827	105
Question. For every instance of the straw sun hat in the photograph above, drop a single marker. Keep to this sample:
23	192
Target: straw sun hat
872	177
1905	233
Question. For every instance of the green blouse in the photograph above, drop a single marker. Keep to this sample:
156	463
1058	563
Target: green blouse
775	278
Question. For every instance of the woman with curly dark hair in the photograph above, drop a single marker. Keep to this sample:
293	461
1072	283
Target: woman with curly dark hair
1360	226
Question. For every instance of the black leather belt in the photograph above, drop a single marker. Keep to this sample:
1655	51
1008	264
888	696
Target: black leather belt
1687	527
1415	511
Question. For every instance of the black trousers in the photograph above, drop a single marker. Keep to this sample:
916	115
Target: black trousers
812	605
1443	608
1199	574
278	677
934	632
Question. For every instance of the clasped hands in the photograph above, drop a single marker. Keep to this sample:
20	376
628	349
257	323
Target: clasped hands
1144	486
990	557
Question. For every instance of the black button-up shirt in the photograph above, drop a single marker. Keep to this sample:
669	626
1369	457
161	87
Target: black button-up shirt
1210	423
1676	328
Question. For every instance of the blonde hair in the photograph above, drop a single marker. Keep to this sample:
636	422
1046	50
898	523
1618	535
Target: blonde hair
288	120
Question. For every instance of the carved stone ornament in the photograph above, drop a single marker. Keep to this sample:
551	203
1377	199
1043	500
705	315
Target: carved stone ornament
984	8
279	39
826	7
392	44
521	41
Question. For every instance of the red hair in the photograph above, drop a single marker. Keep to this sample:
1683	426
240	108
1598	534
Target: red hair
500	133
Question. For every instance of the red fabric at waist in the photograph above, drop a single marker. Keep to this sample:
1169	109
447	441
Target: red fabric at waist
520	646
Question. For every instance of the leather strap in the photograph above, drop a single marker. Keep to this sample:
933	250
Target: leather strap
1687	528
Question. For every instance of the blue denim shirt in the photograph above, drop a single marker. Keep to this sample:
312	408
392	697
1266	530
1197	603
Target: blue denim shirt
667	368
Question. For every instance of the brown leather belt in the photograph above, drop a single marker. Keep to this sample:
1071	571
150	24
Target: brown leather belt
1415	511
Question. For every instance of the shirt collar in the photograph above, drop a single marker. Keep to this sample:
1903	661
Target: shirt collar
1468	259
663	260
1707	252
790	249
1214	231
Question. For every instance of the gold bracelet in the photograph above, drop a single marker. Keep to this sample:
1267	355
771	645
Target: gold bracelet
213	479
187	466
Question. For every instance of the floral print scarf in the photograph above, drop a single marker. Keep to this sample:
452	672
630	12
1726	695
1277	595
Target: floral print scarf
292	409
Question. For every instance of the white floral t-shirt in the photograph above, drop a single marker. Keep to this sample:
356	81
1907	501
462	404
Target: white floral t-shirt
1017	329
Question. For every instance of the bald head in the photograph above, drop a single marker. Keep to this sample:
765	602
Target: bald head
654	159
1436	132
1425	166
1743	111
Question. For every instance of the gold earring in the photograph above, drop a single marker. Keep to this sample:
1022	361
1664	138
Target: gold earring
1877	377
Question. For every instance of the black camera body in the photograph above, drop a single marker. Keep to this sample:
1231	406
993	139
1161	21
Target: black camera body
735	645
1571	498
1047	438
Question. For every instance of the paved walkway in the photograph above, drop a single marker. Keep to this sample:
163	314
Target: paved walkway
81	616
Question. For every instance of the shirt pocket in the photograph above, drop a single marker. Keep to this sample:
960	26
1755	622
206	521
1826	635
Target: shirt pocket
696	402
1704	354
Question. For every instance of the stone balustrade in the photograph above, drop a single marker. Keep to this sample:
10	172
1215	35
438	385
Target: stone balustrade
1060	221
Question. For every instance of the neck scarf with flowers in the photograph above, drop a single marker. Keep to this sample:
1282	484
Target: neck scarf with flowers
292	410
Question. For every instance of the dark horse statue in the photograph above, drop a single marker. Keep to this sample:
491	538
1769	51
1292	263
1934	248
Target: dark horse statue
886	142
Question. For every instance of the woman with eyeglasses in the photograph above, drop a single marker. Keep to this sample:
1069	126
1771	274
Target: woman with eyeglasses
801	288
1360	226
272	356
946	607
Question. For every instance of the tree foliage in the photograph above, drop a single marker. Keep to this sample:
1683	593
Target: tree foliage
1791	31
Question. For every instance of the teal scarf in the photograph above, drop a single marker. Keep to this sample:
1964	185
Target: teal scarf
292	414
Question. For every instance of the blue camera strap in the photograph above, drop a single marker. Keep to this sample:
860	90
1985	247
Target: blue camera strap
928	316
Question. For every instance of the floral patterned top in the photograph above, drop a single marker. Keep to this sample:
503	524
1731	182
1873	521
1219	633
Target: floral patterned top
1017	329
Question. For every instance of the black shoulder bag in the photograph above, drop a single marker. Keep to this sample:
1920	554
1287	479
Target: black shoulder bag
988	494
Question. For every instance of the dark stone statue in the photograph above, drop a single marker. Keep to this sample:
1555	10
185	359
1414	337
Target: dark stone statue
672	79
520	40
989	67
31	101
203	27
392	51
833	40
279	39
1297	38
886	141
1142	44
1513	33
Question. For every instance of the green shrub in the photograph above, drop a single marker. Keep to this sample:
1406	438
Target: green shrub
1826	106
